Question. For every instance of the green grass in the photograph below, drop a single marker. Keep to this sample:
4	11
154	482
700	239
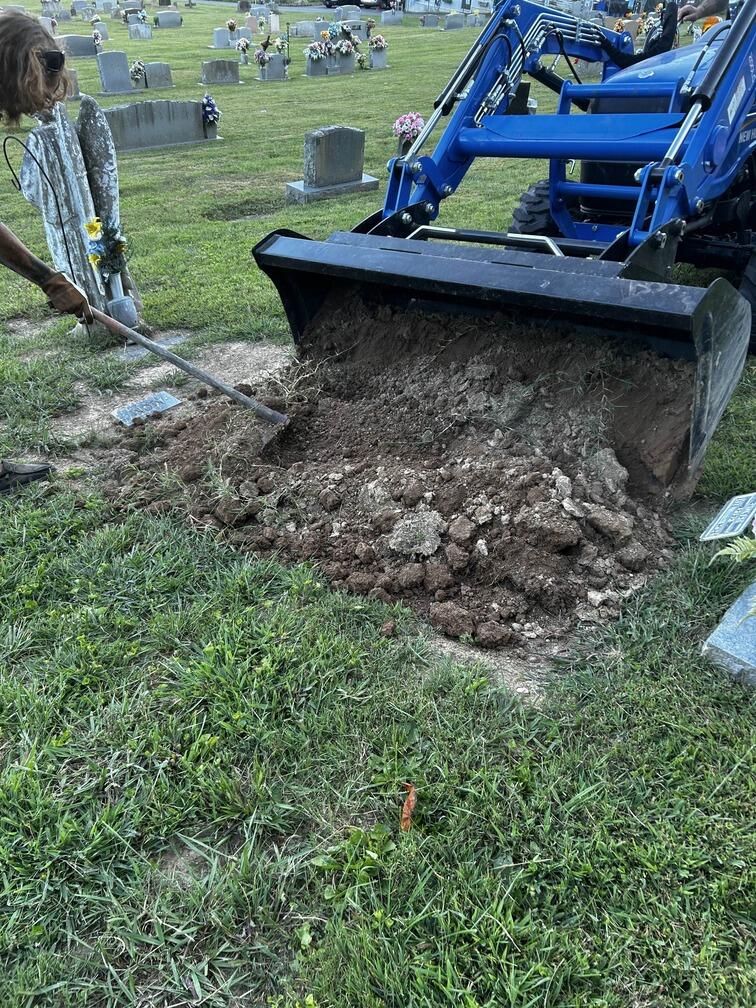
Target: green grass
202	757
203	768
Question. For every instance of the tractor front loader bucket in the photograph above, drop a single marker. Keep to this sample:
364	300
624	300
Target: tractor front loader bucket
710	326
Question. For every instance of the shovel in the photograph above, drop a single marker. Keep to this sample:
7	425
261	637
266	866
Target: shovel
264	412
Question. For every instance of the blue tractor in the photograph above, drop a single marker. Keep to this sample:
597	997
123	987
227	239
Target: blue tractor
667	153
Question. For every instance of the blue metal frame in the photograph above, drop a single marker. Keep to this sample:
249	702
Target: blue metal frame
517	36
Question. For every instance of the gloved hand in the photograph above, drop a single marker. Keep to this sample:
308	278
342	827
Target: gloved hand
689	12
67	298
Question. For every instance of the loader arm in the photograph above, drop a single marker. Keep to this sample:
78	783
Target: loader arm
680	129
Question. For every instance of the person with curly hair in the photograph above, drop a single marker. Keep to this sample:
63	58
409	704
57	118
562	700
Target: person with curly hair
32	80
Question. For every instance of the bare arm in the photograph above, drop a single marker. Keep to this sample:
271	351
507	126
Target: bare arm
694	12
16	256
64	296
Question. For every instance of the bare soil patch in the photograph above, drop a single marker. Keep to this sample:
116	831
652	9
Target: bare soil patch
505	485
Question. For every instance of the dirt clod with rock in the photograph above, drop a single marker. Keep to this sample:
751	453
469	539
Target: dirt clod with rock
504	485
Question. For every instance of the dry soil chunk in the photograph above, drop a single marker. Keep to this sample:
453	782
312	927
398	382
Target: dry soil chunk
450	618
492	634
461	530
615	525
633	556
410	576
417	535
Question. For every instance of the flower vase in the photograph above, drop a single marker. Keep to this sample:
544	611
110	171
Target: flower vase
377	59
115	286
316	68
244	59
332	63
403	147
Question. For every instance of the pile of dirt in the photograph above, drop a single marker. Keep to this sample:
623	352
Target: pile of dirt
499	483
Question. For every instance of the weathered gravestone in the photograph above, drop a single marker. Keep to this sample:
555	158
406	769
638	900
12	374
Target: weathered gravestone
275	69
732	646
346	12
305	29
103	30
225	39
454	21
168	19
114	73
133	19
79	5
220	72
78	46
158	75
392	18
274	23
429	21
243	6
158	124
357	27
73	93
333	165
56	147
142	32
98	151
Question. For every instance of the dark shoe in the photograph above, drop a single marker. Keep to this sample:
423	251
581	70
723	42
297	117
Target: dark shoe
15	474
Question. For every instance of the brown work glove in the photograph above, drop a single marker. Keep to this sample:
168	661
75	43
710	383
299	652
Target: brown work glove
67	298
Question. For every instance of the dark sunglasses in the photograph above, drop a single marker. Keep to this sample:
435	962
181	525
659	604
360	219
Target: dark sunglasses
53	60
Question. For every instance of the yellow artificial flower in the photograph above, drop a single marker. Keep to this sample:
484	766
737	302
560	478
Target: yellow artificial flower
94	258
94	228
324	35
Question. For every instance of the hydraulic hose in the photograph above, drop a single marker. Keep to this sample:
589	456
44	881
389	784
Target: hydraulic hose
738	34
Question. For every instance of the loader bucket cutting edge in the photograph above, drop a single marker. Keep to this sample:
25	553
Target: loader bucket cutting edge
708	325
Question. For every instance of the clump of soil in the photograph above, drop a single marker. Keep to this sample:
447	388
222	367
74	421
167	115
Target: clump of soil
500	483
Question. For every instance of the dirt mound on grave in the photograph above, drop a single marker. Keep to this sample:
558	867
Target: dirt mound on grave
494	481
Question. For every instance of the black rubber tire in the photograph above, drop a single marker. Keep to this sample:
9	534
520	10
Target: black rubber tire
532	215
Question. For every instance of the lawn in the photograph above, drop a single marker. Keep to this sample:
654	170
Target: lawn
203	757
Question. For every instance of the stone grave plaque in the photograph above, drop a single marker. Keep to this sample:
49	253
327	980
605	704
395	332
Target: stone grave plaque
392	17
73	93
333	165
357	27
429	21
114	73
346	12
168	19
135	351
103	30
274	69
454	21
78	46
732	520
162	123
158	75
732	646
142	32
159	402
220	71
